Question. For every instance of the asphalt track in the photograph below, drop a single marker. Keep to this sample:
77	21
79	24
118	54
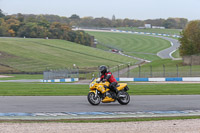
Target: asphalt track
35	104
167	53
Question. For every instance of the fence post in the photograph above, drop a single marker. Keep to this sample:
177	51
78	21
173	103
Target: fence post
163	70
151	71
139	71
190	69
177	70
78	71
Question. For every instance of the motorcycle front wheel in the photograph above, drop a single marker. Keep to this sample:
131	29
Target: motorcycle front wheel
123	98
92	99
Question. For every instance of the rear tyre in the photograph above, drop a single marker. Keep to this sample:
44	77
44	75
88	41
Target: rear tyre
92	99
123	100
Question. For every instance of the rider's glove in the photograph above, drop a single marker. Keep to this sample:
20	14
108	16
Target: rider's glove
104	80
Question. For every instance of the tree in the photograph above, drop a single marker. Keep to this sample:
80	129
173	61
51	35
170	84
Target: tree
20	17
170	23
190	41
155	22
74	17
13	24
113	18
1	14
182	23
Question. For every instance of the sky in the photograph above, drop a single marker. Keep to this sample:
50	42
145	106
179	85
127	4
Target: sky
132	9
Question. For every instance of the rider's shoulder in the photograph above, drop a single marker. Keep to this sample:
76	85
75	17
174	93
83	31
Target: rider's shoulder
108	72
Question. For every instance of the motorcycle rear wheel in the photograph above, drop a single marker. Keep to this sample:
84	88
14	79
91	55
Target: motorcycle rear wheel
125	100
92	99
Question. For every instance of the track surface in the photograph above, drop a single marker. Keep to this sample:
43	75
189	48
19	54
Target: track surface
166	53
34	104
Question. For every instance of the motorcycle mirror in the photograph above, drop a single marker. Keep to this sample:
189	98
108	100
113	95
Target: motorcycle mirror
92	79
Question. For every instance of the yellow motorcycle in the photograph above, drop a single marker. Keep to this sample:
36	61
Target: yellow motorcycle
99	91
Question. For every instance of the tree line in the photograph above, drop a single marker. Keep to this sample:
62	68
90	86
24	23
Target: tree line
75	20
38	27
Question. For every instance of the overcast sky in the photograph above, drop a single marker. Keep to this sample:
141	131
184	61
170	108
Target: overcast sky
133	9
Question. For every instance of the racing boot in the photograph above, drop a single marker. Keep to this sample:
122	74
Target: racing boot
107	99
116	92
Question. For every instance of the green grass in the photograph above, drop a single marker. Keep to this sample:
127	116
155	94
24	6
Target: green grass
40	89
34	55
102	120
170	69
22	76
176	54
161	31
145	47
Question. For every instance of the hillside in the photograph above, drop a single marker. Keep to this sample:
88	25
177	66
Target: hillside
145	47
36	55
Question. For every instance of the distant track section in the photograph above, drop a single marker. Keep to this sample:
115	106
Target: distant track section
167	53
164	54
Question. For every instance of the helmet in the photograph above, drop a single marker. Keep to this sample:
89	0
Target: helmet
103	69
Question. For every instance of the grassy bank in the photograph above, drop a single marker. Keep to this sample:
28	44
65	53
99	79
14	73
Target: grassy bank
145	47
35	55
40	89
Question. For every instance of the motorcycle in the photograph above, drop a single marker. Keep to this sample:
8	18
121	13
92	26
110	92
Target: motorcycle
99	90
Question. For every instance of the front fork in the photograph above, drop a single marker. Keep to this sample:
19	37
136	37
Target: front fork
95	96
95	92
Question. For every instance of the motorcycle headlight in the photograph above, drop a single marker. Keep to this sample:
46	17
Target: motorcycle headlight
91	85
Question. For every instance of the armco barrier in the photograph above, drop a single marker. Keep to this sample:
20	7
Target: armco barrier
60	80
160	79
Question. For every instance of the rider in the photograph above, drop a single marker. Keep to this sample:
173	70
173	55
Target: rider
108	76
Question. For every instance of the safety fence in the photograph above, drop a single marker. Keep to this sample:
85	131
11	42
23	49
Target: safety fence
127	70
61	74
163	71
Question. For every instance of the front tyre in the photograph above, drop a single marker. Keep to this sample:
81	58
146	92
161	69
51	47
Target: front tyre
123	98
92	99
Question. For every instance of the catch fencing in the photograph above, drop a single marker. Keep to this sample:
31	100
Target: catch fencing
129	70
61	74
163	71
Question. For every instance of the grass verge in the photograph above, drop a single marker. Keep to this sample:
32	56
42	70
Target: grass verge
176	54
44	89
22	76
102	120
